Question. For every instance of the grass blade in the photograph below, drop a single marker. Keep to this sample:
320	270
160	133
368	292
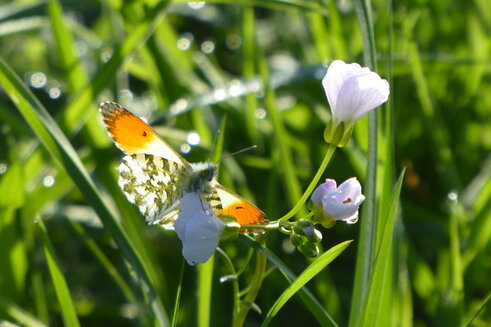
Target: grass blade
77	77
61	288
310	272
308	299
368	220
483	305
53	139
285	158
372	310
20	316
76	113
105	262
177	301
205	276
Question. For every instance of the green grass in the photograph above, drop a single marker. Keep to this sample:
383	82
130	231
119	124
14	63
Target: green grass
77	253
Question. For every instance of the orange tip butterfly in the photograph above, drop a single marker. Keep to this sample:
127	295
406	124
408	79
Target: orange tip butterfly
155	177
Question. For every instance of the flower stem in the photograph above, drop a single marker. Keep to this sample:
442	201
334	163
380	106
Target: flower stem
310	189
272	225
254	287
235	282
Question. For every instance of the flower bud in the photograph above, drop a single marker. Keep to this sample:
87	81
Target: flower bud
303	227
309	249
296	240
315	237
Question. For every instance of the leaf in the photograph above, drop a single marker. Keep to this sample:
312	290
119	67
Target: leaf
77	77
310	272
76	113
309	300
61	288
20	316
368	226
372	310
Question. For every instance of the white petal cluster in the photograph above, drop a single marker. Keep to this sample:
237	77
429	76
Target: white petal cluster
339	203
353	91
198	228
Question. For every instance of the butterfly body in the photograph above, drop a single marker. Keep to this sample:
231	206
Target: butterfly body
155	177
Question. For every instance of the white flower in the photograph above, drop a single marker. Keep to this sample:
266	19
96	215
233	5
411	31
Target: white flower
198	228
338	203
353	91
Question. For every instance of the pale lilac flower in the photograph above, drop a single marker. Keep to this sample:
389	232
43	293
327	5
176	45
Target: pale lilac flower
325	188
353	91
338	203
198	228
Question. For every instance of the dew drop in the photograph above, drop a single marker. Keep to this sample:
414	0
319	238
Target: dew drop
48	181
235	89
54	93
129	311
207	47
453	196
196	5
179	106
106	56
193	138
3	168
254	86
233	41
38	80
352	220
183	44
185	148
219	94
287	246
260	113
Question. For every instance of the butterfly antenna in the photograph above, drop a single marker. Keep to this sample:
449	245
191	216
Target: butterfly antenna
238	152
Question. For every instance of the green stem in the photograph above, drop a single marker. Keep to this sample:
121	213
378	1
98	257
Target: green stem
254	287
313	184
270	226
178	296
235	282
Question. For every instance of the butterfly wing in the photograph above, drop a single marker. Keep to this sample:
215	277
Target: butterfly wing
227	203
152	183
151	173
132	135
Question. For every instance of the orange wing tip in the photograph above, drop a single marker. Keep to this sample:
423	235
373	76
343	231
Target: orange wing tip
245	213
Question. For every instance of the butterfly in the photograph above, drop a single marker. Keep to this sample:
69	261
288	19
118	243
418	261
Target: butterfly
155	177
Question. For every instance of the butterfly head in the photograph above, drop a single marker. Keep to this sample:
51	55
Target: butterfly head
201	178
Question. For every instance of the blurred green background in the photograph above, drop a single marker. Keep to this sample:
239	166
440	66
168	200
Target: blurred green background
187	66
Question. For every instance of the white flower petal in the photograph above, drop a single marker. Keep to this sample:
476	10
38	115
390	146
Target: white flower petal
352	91
334	206
198	228
351	188
337	74
344	202
361	94
325	188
